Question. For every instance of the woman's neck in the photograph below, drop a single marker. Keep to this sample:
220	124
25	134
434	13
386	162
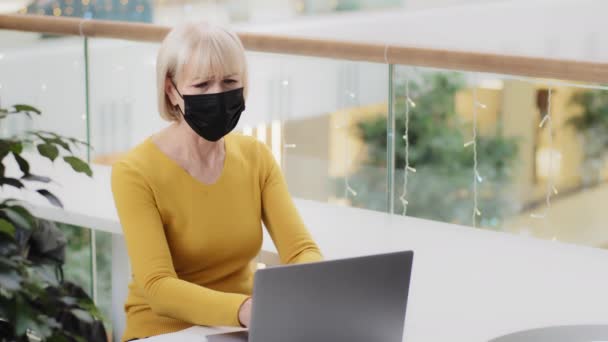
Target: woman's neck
187	146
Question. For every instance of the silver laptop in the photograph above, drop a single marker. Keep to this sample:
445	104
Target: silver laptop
350	300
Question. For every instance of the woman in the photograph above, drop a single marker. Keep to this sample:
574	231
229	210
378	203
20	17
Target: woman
192	197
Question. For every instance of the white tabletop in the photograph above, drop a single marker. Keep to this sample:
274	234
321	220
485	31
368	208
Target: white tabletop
194	334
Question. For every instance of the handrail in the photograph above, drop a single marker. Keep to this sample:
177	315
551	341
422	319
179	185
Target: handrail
571	70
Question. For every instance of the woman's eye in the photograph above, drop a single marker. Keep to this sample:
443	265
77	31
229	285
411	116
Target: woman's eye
202	85
229	81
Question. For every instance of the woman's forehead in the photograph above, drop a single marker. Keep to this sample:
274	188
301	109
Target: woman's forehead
208	68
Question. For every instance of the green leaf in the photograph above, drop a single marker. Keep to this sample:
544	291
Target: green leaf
76	141
24	166
36	178
52	134
5	147
10	280
78	165
8	201
16	147
49	151
82	315
50	197
69	301
45	273
26	108
24	213
61	143
61	335
88	305
16	219
12	182
7	228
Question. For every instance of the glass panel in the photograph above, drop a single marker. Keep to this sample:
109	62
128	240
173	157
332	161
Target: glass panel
519	164
439	174
123	102
47	73
307	110
77	268
103	248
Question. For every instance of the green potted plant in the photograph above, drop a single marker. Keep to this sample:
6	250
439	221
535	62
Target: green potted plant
441	187
36	303
592	128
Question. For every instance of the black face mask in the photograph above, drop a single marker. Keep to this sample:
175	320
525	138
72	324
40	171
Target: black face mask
212	116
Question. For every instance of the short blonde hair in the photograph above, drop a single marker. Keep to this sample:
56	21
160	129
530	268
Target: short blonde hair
216	51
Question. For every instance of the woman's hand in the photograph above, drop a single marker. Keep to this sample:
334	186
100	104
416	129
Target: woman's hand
245	313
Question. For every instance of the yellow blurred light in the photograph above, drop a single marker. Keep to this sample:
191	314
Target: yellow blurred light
548	163
23	10
85	2
300	6
261	132
124	2
248	130
57	12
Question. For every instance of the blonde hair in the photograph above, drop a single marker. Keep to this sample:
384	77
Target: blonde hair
214	50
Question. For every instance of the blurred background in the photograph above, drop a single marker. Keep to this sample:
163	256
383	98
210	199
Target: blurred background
329	122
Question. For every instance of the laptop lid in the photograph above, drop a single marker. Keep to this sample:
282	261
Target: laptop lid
358	299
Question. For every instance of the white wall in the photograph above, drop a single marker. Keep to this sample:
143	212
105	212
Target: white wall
571	29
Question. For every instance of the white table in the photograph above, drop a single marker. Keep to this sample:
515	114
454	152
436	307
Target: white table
194	334
467	285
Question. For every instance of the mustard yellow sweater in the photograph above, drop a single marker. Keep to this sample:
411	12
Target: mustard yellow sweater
191	245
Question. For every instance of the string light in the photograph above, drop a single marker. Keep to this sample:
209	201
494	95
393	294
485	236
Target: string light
477	179
348	189
547	123
285	90
407	169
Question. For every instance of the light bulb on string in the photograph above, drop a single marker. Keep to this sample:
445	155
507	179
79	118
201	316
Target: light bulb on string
477	179
345	124
547	123
409	103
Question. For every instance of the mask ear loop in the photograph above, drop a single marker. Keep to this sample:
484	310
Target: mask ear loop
180	94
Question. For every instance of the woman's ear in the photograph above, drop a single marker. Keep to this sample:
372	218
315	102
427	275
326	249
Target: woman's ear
171	92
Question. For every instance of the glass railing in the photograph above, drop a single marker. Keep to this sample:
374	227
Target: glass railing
507	153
